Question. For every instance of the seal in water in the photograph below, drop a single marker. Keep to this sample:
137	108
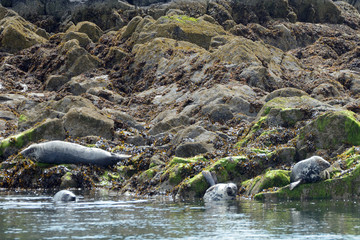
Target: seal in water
60	152
64	196
308	171
218	191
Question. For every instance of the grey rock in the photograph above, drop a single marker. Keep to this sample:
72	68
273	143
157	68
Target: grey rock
55	82
191	149
81	122
285	92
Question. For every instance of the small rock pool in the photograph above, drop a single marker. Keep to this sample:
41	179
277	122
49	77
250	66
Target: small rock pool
29	215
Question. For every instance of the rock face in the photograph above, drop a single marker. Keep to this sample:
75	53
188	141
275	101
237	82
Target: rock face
244	89
16	33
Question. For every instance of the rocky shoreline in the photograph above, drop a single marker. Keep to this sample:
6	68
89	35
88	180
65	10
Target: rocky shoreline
242	89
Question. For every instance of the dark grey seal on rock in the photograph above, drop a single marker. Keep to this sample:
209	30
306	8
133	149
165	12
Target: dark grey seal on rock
64	196
218	191
60	152
309	170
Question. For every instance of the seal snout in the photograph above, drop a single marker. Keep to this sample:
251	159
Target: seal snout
231	190
64	196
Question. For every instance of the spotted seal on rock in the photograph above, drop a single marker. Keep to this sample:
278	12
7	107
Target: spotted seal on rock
218	191
60	152
308	171
64	196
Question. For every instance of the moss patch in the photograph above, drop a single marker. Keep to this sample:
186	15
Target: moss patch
182	18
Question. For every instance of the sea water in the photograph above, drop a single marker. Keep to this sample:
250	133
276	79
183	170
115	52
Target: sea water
32	215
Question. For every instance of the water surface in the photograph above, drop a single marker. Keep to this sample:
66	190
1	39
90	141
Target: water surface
103	216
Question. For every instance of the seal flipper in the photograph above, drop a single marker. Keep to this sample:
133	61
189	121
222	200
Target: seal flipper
294	184
209	178
214	177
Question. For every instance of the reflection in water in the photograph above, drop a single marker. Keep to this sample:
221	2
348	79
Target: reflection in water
30	216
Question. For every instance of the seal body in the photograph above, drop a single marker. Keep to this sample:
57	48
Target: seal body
308	171
64	196
60	152
218	191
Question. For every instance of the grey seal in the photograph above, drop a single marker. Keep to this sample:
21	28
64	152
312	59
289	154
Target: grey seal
218	191
64	196
60	152
309	170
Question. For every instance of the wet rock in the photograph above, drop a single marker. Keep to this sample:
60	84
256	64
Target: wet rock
68	181
272	178
224	169
81	122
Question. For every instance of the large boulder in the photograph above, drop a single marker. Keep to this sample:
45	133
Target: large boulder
77	59
183	28
259	11
89	28
316	11
17	33
330	131
82	122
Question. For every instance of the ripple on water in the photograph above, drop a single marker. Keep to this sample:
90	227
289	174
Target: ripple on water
35	217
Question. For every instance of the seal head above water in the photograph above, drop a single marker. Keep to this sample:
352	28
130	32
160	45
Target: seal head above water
309	170
60	152
218	191
64	196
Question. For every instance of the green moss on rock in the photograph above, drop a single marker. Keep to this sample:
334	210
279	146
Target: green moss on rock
331	130
271	179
